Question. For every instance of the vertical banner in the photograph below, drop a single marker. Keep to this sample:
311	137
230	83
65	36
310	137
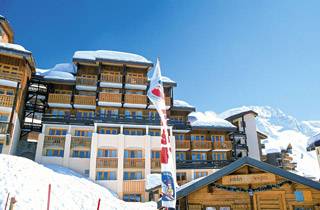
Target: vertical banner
168	171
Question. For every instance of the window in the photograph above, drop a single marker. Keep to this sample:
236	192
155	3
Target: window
106	175
54	153
57	132
84	133
219	156
217	138
110	131
7	92
132	154
3	117
107	153
59	113
180	156
109	113
81	154
303	207
133	132
198	137
132	198
153	115
179	137
133	114
199	156
155	154
132	175
85	114
154	132
199	174
181	176
1	146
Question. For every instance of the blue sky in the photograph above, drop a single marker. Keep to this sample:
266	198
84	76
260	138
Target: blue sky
223	54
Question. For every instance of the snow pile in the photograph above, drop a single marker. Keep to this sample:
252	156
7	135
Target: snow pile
180	103
283	129
208	119
153	180
10	46
28	182
110	55
62	71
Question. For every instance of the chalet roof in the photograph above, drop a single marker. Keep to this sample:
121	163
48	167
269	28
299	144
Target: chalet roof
180	105
313	142
183	191
262	135
240	114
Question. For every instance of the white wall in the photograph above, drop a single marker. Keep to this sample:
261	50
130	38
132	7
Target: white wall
252	137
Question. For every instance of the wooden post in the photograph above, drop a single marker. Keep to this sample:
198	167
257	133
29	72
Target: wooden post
99	204
12	202
49	194
5	206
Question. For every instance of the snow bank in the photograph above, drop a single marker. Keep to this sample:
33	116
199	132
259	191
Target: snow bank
28	182
180	103
62	71
153	180
110	55
208	119
10	46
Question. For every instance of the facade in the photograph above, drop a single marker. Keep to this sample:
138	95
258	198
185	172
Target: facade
281	158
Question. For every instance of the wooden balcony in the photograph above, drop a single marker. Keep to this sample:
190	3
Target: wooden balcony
84	81
6	101
110	78
226	145
59	98
182	145
134	186
201	145
155	163
10	72
135	99
134	163
136	80
80	141
107	163
168	101
110	97
54	141
85	100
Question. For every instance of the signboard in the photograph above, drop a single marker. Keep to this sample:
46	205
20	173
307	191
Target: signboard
248	179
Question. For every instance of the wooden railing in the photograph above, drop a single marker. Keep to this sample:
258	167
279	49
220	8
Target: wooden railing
54	141
222	145
110	97
86	81
201	145
59	98
80	141
136	80
168	101
155	163
10	72
111	78
134	163
181	182
135	99
6	101
182	144
85	100
134	186
107	163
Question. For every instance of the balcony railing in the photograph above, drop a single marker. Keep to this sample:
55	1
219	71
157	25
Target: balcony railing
107	163
201	145
179	125
10	72
85	100
86	81
136	80
135	99
134	163
59	98
202	164
111	78
226	145
110	97
183	144
181	182
168	101
155	163
80	141
134	186
6	101
57	141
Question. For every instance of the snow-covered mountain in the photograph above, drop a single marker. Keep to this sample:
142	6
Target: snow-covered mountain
283	129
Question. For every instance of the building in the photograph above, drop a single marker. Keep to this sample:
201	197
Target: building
281	158
314	145
250	184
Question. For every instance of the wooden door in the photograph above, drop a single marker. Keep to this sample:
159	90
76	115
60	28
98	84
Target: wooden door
269	201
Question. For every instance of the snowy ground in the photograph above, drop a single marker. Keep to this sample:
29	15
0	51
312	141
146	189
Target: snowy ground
28	182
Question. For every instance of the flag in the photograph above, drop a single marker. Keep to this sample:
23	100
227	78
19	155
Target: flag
168	172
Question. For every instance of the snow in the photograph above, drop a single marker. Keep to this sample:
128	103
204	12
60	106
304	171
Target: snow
9	83
10	46
28	182
314	138
62	71
110	55
167	80
153	180
180	103
208	119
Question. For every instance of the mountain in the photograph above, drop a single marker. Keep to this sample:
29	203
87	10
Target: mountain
283	129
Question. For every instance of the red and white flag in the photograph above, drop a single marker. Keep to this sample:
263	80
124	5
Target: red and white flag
168	171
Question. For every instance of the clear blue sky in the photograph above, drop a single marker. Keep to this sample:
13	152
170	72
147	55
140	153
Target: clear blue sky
223	54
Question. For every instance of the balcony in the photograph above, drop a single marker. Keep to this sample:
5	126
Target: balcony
84	83
201	145
138	83
11	73
6	101
168	101
54	141
134	163
59	100
120	118
182	182
155	164
84	102
226	145
182	145
202	164
134	186
80	141
114	81
110	99
107	163
4	126
135	101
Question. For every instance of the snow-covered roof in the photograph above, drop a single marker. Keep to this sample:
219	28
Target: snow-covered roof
62	71
209	120
313	142
167	80
15	47
153	180
181	103
236	111
270	150
110	55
